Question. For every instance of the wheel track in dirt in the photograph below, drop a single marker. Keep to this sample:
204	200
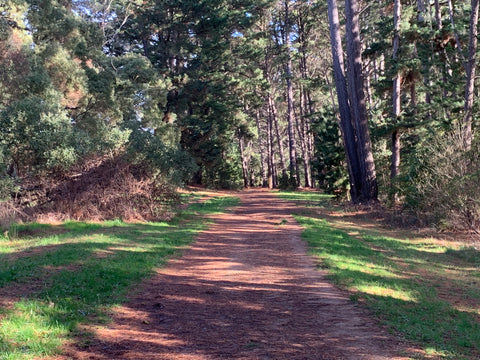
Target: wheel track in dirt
244	290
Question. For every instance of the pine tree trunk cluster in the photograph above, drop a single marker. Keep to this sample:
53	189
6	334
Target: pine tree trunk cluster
351	103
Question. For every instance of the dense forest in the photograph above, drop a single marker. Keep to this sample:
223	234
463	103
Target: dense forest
113	101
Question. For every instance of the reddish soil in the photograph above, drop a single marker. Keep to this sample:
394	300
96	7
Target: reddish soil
245	290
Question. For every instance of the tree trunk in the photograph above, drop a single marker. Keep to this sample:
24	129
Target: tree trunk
302	136
271	123
455	33
261	146
395	164
369	189
368	86
292	147
281	153
272	181
470	84
438	15
308	145
346	128
446	70
306	108
421	19
396	96
243	156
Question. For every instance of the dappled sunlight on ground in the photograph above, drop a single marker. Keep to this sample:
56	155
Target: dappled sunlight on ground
433	280
385	291
245	290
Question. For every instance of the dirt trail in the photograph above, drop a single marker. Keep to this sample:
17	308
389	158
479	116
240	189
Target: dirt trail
244	290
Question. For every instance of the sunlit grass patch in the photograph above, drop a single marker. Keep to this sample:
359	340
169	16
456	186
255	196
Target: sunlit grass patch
382	290
26	330
212	206
351	262
307	198
436	353
83	273
414	245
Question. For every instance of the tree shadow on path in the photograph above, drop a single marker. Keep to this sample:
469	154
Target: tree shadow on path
245	290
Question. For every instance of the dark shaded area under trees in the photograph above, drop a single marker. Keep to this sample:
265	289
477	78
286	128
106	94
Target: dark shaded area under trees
368	100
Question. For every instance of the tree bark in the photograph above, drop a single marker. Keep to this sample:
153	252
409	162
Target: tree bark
281	152
346	128
261	146
272	180
243	156
396	96
369	189
292	147
470	84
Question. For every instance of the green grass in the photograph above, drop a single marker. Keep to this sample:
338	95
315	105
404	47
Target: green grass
423	289
307	198
76	272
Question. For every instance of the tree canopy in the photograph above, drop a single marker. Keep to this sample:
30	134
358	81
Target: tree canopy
362	99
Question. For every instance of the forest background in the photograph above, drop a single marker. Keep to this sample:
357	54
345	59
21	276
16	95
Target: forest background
107	106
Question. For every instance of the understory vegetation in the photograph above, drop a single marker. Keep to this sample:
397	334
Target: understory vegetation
424	289
442	185
49	274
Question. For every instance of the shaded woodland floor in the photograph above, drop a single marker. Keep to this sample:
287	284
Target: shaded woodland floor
245	290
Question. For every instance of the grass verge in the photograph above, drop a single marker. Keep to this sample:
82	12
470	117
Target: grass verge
425	290
54	278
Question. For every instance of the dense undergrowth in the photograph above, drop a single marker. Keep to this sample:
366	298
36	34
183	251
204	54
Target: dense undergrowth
104	188
441	186
53	278
425	290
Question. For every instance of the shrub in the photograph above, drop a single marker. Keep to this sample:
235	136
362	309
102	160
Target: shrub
329	161
106	188
442	184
